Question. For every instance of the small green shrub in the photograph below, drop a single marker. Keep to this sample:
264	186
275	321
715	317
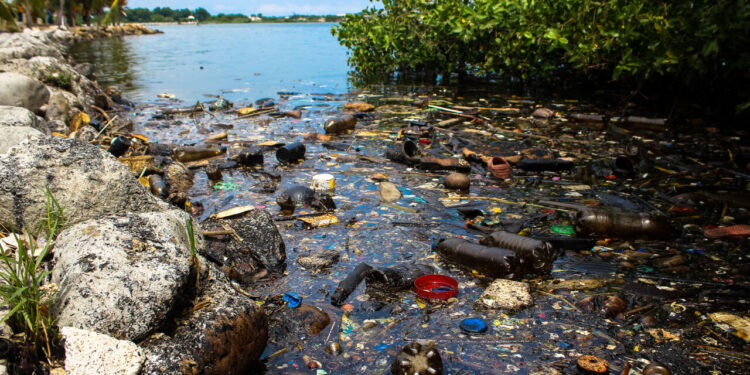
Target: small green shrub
22	282
58	78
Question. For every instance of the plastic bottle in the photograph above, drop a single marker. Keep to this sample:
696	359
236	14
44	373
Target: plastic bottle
119	146
538	256
339	124
347	286
186	154
622	224
492	261
158	186
291	153
397	277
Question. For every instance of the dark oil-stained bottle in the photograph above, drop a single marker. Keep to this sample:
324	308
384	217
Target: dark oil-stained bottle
608	222
347	286
291	153
538	256
491	261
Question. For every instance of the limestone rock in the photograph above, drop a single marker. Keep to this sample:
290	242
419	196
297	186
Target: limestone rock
543	113
20	91
506	295
319	260
121	274
225	336
261	244
86	180
13	135
89	352
18	116
360	106
389	192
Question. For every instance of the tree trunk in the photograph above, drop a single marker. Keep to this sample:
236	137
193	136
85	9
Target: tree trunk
61	15
27	14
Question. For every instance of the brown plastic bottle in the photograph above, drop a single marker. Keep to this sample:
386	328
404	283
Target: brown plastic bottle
186	154
491	261
158	186
622	224
339	124
538	255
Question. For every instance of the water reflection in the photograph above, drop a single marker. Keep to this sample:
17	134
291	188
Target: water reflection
113	59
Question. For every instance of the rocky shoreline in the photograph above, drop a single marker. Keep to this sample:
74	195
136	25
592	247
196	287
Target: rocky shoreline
135	294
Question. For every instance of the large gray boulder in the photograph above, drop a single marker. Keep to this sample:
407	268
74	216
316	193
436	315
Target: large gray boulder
121	275
257	244
21	91
13	135
224	333
87	181
32	42
18	116
89	352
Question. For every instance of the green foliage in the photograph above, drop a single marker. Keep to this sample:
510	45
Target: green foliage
194	261
22	281
58	78
7	18
620	39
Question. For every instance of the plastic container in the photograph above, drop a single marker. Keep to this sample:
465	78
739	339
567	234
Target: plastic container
291	153
119	146
323	183
499	167
436	287
292	299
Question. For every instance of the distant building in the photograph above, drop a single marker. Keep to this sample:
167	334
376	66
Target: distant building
255	19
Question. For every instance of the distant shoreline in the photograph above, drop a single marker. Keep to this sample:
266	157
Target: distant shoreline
220	23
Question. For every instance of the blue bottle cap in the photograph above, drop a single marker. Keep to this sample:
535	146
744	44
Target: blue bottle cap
473	325
292	299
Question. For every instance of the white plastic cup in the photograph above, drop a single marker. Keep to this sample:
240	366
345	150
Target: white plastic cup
324	183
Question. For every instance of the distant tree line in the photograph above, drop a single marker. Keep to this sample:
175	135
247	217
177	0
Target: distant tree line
167	14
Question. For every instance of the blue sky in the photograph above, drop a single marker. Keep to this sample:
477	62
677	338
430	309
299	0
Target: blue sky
267	7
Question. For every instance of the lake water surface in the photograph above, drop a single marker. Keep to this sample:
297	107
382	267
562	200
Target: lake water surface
242	62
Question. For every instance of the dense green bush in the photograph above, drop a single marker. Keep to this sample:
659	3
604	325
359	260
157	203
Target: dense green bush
621	40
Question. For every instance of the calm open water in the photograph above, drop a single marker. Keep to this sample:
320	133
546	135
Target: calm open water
242	62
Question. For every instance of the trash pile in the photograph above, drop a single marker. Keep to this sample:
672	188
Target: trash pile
432	234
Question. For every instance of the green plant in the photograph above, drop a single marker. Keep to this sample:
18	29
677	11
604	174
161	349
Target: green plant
58	78
194	261
23	277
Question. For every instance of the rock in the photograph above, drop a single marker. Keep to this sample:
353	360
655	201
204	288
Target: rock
20	91
576	284
85	133
13	135
225	336
359	106
58	126
17	116
61	105
389	192
86	70
178	177
261	244
294	325
319	260
89	352
86	180
506	295
120	275
544	113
